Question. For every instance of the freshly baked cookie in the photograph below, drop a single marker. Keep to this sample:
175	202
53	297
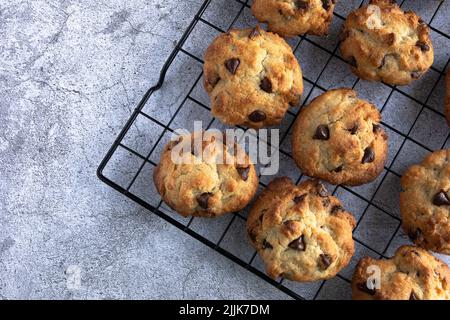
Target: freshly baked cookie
338	138
447	96
302	233
252	77
295	17
412	274
383	43
425	202
193	180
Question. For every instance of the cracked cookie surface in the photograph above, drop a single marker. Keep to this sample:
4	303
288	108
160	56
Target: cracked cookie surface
425	202
447	96
302	233
295	17
381	42
412	274
202	185
338	138
252	77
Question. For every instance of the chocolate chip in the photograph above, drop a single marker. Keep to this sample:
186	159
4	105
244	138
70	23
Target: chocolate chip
423	46
415	235
203	200
336	209
298	244
369	156
255	32
339	169
354	129
352	62
266	85
322	133
325	261
295	102
243	172
413	296
363	287
302	4
383	62
441	199
257	116
416	74
321	190
299	199
326	202
326	4
232	65
267	245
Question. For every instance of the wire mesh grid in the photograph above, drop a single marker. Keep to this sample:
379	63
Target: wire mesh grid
412	116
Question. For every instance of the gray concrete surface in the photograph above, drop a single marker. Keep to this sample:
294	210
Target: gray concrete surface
70	73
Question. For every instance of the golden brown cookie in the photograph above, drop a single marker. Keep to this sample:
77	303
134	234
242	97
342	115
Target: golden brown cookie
447	96
338	138
425	202
295	17
412	274
381	42
202	184
252	77
302	233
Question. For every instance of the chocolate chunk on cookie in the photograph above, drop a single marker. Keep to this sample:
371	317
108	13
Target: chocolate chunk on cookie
381	42
295	17
208	182
447	96
252	77
338	138
412	274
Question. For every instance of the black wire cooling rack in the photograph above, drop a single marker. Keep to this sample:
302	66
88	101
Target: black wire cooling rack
415	124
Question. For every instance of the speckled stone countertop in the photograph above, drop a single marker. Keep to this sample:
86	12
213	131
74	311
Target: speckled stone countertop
71	71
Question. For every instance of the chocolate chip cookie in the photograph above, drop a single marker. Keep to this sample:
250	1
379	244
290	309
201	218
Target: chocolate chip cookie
194	178
338	138
295	17
425	202
381	42
302	233
412	274
252	77
447	96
